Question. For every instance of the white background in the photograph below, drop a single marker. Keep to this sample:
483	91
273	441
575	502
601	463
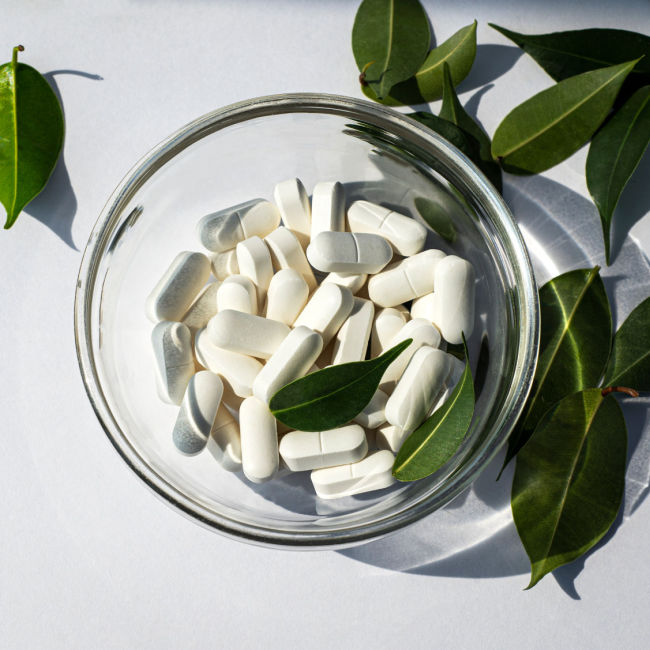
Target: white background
89	558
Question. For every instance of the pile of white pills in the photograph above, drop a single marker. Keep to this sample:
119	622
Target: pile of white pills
236	324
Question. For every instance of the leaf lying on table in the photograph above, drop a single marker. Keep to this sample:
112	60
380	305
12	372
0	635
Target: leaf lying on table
31	135
550	126
331	397
614	154
437	216
569	480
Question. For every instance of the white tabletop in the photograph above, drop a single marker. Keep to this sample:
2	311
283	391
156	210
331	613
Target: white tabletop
90	557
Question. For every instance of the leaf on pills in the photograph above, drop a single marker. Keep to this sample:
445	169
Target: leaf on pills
453	111
629	363
390	39
31	134
331	397
437	217
435	441
569	480
614	154
575	339
555	123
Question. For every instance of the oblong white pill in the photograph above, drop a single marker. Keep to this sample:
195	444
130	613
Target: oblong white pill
410	278
423	333
259	440
286	296
453	304
177	288
224	443
172	347
371	473
303	450
457	368
422	307
390	437
238	371
351	341
293	203
406	235
202	309
254	261
237	292
387	323
287	253
351	281
327	208
290	361
348	252
245	333
223	230
417	388
326	310
374	413
198	411
224	264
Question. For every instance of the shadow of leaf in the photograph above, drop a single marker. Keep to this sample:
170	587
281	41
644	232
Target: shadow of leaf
490	63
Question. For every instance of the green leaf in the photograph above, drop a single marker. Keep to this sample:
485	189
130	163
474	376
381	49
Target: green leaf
435	441
614	154
31	135
331	397
453	111
566	54
575	338
555	123
390	39
569	480
437	217
629	363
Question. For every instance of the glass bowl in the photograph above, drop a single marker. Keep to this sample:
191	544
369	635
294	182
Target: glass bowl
238	153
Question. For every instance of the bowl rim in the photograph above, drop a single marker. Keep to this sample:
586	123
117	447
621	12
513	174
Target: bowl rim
306	103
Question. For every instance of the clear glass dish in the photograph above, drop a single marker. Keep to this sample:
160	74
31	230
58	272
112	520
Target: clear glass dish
240	152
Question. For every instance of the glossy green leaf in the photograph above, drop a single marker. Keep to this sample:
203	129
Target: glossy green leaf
629	363
566	54
31	135
555	123
569	480
575	339
453	111
437	439
390	39
614	154
331	397
437	217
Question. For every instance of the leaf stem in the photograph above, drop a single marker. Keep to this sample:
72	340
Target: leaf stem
14	55
619	389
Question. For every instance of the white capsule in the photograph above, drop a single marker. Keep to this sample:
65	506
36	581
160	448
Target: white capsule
390	437
327	208
457	368
290	361
223	230
351	281
406	235
202	309
422	307
237	292
347	252
293	202
423	333
245	333
303	450
387	323
351	342
238	371
259	440
287	253
326	311
224	443
373	414
287	295
453	305
172	347
417	389
198	411
254	261
224	264
410	278
178	287
371	473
